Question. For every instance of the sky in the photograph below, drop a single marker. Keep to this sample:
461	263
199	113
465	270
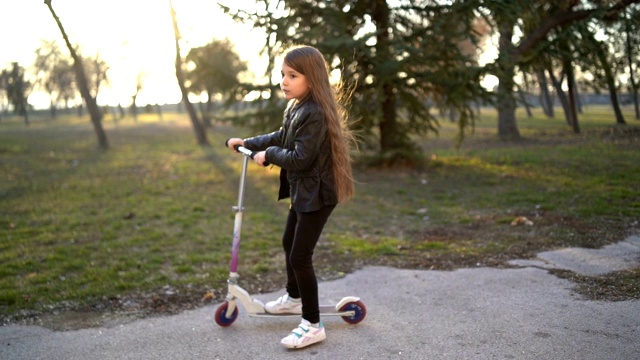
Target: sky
132	36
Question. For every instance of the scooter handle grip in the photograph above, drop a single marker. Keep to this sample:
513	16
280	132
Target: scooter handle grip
247	152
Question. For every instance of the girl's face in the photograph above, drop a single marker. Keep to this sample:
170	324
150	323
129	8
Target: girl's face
294	84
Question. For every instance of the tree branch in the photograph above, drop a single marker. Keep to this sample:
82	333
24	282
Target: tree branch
565	16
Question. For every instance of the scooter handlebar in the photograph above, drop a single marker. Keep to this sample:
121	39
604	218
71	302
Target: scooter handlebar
246	152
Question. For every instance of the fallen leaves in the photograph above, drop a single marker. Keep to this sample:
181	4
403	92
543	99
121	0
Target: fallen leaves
521	220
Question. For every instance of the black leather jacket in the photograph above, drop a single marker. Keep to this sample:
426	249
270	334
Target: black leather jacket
302	150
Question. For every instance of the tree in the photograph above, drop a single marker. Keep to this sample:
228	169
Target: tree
214	71
576	50
54	74
398	60
550	15
403	57
546	100
4	85
18	89
134	97
96	70
81	81
600	50
631	31
198	128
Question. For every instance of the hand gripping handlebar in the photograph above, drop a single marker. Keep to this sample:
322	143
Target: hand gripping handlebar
243	150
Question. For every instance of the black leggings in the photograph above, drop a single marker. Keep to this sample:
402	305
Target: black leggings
299	241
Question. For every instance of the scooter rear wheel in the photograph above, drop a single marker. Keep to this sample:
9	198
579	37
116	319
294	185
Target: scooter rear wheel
360	312
221	315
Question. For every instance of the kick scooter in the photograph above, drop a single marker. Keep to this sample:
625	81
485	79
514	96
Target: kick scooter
350	308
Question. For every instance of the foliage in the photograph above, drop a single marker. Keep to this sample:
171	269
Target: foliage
399	61
403	58
539	23
96	69
17	88
214	69
54	73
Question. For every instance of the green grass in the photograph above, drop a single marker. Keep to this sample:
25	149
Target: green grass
78	224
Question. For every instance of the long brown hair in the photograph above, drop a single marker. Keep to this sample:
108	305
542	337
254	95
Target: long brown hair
309	62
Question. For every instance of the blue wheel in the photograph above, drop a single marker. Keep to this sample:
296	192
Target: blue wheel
360	312
221	315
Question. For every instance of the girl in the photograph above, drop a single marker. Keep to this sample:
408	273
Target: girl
312	150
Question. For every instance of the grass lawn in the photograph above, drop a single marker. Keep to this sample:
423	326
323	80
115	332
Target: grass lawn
146	226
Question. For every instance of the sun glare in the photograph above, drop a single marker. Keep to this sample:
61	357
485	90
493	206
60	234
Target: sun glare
132	37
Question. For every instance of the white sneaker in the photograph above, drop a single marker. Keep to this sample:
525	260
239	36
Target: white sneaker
304	335
284	305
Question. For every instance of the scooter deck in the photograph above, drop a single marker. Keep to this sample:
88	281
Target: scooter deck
328	310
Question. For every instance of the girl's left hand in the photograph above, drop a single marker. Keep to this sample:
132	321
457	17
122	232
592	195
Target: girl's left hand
231	143
260	157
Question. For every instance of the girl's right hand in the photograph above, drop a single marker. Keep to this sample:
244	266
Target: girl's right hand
233	142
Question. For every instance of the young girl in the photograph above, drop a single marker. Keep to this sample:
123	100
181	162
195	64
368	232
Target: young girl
312	150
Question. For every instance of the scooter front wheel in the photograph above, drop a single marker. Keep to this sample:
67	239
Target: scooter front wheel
221	315
360	312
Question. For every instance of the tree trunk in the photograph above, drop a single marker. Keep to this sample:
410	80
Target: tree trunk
610	79
507	127
52	109
94	111
613	93
634	96
545	96
523	100
611	84
629	52
636	105
208	110
561	95
25	117
134	107
572	113
577	99
390	138
201	135
453	114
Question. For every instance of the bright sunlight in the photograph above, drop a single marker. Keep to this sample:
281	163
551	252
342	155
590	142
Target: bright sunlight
133	37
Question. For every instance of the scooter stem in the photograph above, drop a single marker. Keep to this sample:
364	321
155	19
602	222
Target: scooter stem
237	226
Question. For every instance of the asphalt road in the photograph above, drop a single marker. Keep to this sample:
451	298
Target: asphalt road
480	313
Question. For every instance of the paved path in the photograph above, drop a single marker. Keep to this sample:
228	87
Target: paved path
481	313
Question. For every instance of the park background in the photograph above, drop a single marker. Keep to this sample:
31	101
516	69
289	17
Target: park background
488	131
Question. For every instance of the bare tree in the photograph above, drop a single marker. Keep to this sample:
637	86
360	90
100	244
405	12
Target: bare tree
96	70
134	97
81	80
198	128
54	74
